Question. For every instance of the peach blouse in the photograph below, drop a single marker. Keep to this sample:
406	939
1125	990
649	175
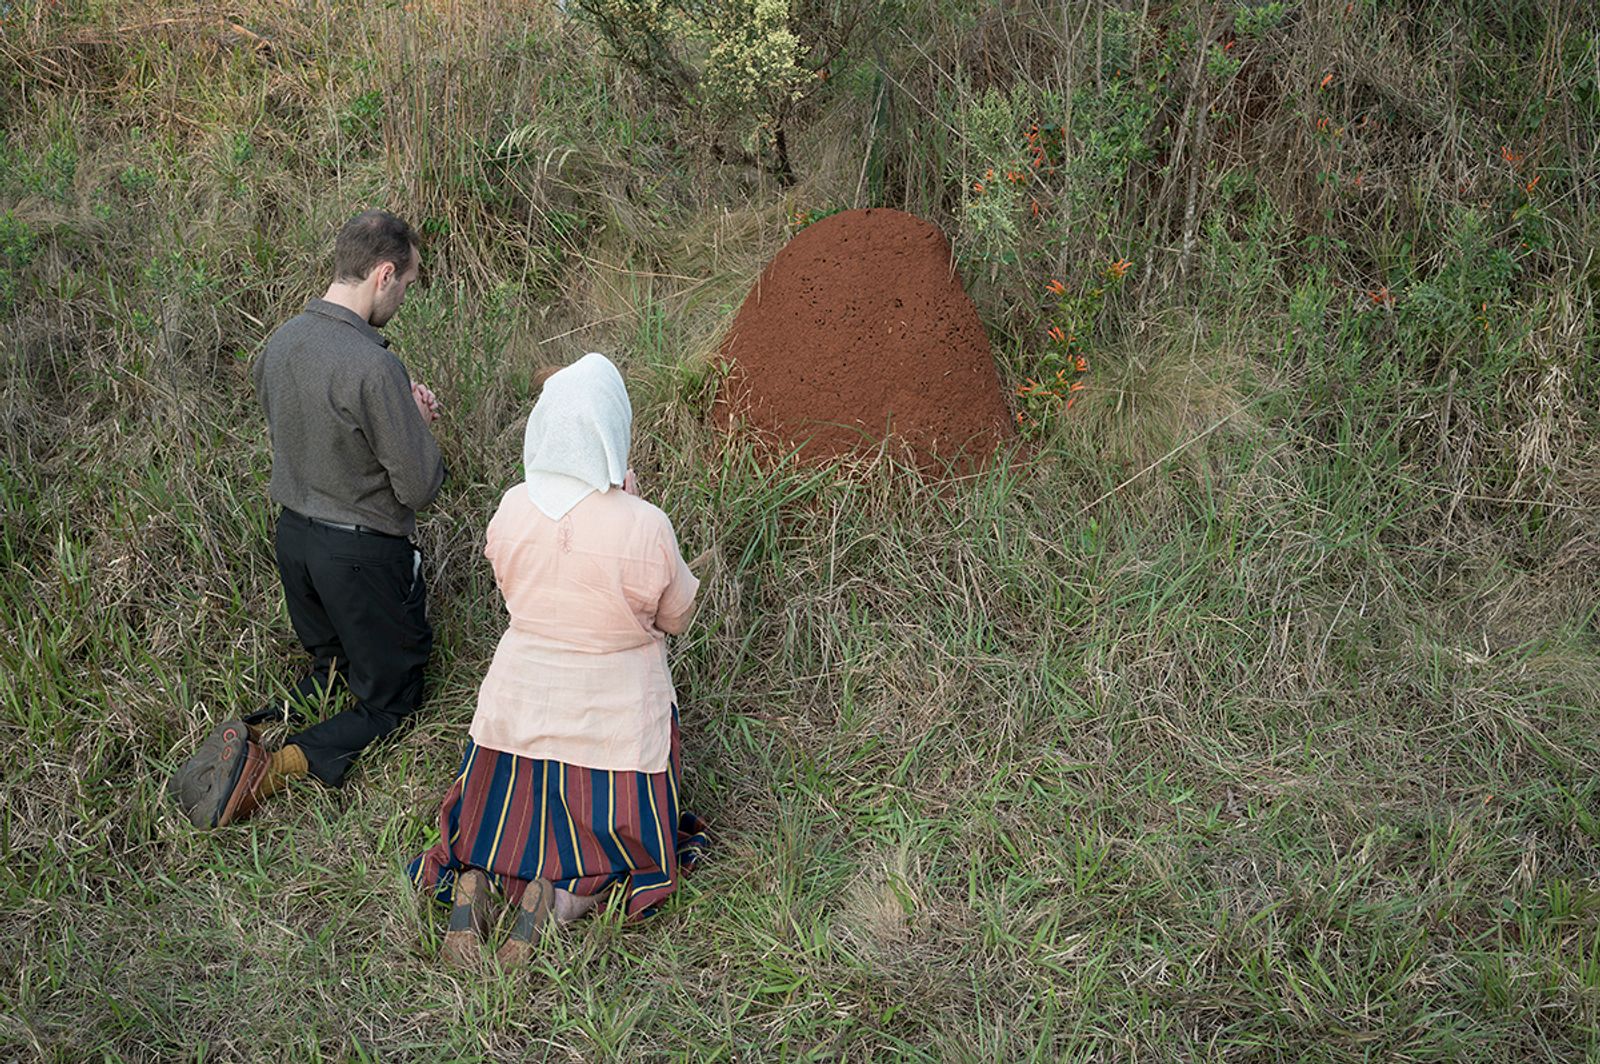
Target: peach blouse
580	675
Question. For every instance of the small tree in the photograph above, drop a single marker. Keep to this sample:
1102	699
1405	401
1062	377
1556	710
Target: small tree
744	64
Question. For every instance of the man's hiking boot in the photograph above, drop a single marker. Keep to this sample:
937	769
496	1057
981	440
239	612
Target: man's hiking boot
217	785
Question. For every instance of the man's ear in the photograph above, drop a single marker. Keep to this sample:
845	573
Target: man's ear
383	273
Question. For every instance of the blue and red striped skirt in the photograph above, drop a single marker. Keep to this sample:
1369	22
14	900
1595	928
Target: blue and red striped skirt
586	830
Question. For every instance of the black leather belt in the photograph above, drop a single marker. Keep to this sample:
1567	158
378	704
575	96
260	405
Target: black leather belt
342	527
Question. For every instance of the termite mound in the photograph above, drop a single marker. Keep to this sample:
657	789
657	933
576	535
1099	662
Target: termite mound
859	331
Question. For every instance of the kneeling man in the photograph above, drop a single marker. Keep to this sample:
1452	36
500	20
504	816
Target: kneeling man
352	461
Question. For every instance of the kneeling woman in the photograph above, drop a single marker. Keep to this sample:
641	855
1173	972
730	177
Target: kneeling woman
569	785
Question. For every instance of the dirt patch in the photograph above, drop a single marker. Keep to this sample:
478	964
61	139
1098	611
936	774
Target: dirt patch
859	329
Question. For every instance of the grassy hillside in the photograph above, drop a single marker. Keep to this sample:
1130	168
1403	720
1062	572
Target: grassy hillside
1249	714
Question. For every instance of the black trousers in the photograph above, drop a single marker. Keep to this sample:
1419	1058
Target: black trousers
358	602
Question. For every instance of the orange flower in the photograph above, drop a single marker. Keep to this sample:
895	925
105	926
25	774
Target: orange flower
1531	185
1118	268
977	186
1074	399
1077	386
1057	287
1035	204
1326	82
1082	365
1229	45
1056	334
1380	296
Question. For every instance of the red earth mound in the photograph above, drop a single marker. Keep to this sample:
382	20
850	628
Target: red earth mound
860	328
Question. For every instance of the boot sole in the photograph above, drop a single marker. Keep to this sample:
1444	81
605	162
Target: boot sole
204	783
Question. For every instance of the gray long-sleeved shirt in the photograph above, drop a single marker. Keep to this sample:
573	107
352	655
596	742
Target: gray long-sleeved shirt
348	444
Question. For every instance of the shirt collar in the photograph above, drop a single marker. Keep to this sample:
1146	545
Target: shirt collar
349	317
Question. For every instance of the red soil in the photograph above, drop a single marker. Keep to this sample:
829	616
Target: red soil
860	327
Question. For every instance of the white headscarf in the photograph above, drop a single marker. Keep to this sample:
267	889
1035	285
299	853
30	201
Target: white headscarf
578	433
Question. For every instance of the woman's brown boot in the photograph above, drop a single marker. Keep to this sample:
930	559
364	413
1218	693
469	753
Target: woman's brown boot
532	916
469	918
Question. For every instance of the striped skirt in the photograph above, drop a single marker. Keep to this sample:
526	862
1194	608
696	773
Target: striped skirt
586	830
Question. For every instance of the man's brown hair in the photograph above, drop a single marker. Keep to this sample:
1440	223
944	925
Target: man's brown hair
368	239
542	374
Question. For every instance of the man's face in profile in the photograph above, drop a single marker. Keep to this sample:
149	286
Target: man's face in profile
392	293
